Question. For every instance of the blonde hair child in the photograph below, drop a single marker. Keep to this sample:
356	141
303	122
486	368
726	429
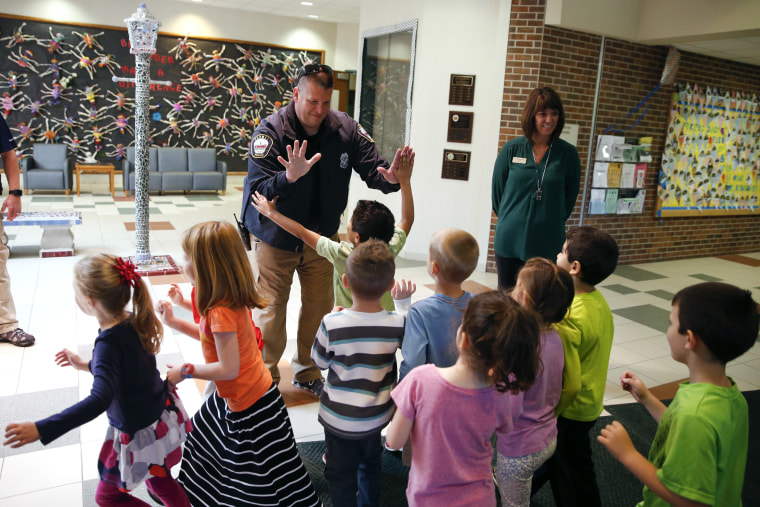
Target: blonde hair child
242	430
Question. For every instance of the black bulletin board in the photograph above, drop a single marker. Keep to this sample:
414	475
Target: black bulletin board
209	103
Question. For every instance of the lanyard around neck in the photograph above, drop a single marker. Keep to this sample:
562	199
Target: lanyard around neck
540	183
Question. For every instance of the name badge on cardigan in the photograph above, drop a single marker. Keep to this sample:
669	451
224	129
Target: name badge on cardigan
519	160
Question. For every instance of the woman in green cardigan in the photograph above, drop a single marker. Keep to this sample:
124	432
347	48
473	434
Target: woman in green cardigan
535	184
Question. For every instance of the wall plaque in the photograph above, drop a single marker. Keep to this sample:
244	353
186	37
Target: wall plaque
461	90
460	127
456	165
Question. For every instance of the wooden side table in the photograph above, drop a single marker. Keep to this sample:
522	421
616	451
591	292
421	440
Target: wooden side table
95	169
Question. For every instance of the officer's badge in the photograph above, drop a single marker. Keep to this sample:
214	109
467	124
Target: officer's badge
260	146
344	161
364	133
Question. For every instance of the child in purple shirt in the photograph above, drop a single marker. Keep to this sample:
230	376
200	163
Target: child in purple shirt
451	413
547	289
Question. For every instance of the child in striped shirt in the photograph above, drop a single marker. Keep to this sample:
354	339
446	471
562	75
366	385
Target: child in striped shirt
358	346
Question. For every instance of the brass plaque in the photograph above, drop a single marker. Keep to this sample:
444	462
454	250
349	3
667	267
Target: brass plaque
461	90
460	127
456	165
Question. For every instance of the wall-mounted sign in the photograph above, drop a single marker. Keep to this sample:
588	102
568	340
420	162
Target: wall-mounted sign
456	165
461	90
460	127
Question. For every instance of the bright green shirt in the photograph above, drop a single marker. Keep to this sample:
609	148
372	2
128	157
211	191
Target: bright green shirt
700	448
586	333
527	227
337	253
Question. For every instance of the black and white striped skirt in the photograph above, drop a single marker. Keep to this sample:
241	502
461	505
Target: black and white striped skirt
244	458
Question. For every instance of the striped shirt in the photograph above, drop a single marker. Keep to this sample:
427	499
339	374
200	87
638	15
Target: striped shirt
359	351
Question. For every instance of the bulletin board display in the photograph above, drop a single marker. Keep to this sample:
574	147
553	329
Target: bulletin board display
711	156
56	87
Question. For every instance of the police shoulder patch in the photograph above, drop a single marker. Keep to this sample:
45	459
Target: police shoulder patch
364	133
260	146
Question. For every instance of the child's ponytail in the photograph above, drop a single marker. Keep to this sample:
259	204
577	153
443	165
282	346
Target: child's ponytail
144	319
111	281
503	340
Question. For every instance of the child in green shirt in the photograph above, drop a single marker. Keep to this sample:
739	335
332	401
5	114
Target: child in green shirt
590	255
699	452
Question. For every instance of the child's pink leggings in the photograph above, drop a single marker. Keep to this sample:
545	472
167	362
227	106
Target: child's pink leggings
165	488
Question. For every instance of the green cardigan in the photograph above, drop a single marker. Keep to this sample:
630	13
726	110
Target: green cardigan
526	227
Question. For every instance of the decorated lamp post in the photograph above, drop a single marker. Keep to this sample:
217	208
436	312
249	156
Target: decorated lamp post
143	31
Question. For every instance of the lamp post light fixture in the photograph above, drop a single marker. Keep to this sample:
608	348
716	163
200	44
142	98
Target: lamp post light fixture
143	32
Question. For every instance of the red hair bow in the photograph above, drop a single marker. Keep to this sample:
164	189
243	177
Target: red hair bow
127	273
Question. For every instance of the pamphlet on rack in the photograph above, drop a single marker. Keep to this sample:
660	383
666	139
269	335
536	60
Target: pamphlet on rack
600	175
613	174
631	205
610	200
630	153
604	146
641	175
596	204
627	175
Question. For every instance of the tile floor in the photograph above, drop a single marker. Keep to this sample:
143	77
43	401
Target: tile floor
32	386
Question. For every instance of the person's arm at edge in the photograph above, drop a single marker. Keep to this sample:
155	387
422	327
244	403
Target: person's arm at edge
179	299
267	208
397	434
401	292
226	368
642	395
571	372
12	173
414	345
374	170
166	314
615	438
499	179
404	175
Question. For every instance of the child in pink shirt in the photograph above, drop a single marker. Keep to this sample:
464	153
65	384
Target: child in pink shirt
451	413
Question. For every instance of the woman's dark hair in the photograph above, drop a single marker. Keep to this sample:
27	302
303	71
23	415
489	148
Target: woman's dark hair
539	100
503	340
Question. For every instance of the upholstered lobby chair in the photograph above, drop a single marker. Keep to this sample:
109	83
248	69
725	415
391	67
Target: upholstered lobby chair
49	168
129	170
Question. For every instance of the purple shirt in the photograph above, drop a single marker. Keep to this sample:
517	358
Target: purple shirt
451	438
536	426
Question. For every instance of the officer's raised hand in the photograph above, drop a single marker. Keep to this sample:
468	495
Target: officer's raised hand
390	173
296	165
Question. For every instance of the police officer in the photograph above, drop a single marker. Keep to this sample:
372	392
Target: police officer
304	153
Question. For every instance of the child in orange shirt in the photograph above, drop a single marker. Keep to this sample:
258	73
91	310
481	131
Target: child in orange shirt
242	430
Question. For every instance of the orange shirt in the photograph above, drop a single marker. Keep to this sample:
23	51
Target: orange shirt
253	379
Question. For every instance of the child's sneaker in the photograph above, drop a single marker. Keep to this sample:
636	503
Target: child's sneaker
315	386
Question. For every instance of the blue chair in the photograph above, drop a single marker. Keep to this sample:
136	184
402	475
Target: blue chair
49	168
